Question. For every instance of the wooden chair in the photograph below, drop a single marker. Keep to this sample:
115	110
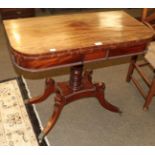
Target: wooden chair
148	18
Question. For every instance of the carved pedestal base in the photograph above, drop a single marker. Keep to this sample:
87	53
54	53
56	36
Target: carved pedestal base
78	87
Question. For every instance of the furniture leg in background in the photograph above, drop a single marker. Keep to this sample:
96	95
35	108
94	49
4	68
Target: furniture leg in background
131	68
148	18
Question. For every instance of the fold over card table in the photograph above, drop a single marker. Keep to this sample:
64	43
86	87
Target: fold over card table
43	43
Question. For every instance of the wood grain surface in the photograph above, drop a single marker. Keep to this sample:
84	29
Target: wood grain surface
40	43
69	32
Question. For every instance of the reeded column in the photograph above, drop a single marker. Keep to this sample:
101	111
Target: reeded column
76	77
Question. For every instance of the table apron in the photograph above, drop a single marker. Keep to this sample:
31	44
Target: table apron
36	64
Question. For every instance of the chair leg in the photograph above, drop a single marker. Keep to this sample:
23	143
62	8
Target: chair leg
131	68
150	95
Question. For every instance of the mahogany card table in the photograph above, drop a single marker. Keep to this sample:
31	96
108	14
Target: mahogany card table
43	43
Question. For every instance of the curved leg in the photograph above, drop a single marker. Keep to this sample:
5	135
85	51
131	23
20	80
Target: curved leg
49	89
100	96
150	95
59	104
78	87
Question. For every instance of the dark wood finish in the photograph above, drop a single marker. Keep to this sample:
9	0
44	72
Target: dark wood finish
49	89
56	41
87	36
11	13
75	77
131	50
76	88
131	68
148	18
49	61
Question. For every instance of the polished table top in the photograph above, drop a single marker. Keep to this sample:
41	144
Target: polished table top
74	33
